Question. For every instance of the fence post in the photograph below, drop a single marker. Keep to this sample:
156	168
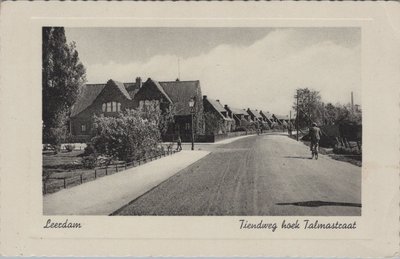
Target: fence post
95	174
65	183
116	168
125	165
81	178
44	187
106	169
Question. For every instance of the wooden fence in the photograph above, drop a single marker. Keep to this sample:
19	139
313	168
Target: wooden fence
51	185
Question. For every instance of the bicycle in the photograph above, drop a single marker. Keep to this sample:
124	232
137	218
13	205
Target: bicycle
314	151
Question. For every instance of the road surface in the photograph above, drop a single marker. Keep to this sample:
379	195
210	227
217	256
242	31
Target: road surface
269	175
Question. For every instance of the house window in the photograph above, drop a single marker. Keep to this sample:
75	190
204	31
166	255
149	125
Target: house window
187	126
83	127
146	105
111	107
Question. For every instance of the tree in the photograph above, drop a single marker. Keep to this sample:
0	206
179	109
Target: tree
345	115
309	106
62	76
163	114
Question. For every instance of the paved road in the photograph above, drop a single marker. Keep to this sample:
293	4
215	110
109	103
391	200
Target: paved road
258	175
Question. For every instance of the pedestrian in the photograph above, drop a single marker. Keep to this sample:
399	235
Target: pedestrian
179	143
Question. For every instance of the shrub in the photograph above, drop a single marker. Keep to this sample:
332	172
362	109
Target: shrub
69	147
89	162
89	149
131	134
346	151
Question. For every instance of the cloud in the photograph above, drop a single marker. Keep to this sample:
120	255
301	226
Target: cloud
263	75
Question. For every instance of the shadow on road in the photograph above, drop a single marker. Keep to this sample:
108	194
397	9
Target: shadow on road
320	203
298	157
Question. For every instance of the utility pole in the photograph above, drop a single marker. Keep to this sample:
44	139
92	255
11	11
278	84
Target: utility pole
179	69
352	103
297	115
290	123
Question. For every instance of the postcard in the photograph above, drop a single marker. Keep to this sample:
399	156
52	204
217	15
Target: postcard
200	129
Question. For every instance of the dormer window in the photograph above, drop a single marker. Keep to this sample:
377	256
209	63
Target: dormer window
111	107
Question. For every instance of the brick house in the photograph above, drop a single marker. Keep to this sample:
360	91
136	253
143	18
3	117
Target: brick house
255	115
281	119
217	119
96	99
238	115
110	98
267	117
175	95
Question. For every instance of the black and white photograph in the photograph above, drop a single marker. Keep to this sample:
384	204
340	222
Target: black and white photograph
201	121
199	129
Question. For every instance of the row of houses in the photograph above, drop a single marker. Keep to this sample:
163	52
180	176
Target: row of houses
210	115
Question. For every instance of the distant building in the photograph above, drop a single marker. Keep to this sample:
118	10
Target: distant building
214	110
237	115
283	120
267	117
255	115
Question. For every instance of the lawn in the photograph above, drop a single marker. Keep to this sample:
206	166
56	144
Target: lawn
62	160
65	169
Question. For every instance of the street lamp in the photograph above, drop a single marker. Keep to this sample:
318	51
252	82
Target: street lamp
192	102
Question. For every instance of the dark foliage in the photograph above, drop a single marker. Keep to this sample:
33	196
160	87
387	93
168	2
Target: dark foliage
62	75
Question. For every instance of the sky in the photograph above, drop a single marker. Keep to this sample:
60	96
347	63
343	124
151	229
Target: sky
257	68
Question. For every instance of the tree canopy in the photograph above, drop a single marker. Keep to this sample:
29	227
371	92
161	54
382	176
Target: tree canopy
312	109
62	76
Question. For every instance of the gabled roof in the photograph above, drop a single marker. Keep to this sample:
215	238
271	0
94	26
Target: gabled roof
89	93
132	88
180	92
218	107
266	114
122	88
237	111
255	113
86	97
160	88
216	104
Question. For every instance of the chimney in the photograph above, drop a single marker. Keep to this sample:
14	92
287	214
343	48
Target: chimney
138	82
204	97
352	102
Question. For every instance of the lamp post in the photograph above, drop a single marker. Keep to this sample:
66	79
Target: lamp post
192	107
297	115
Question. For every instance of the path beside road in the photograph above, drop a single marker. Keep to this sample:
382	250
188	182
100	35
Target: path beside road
107	194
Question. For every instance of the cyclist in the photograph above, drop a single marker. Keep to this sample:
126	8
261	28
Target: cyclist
315	136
